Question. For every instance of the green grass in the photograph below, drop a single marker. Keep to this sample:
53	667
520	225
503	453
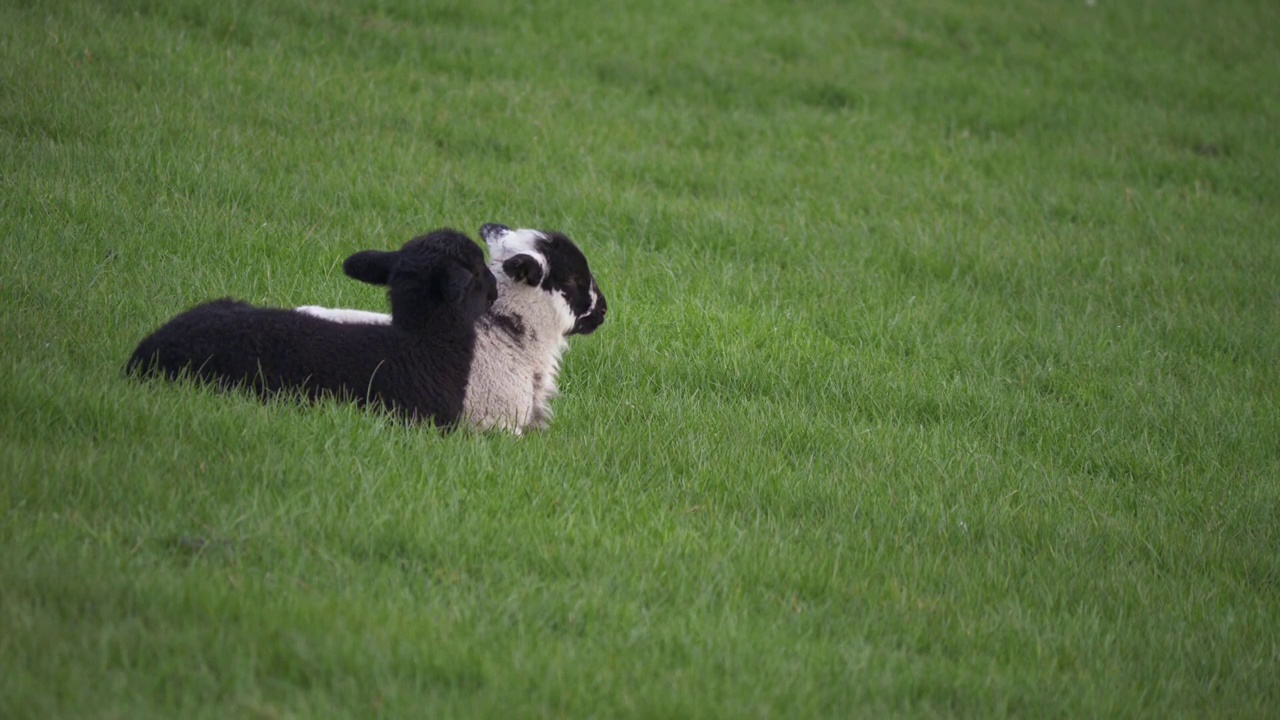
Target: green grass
941	375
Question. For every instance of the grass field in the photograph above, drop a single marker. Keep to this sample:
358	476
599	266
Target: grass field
941	376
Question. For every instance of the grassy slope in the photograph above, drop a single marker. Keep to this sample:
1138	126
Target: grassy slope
940	375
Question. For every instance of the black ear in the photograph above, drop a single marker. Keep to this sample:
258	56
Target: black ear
455	282
371	266
524	268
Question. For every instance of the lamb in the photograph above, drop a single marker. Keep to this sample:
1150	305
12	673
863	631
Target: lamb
546	293
416	366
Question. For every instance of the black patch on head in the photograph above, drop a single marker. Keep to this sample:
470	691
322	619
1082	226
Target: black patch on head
587	324
570	275
523	268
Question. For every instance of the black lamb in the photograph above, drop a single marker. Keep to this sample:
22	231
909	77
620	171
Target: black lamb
417	367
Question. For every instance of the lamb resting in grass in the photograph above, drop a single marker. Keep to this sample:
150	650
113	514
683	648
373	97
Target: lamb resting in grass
416	365
545	294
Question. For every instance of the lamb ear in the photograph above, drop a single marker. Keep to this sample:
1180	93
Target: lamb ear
455	282
371	266
524	268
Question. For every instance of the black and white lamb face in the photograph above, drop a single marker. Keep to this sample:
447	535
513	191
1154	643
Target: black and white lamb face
551	261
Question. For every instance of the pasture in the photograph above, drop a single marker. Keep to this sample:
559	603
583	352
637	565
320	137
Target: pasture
941	376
